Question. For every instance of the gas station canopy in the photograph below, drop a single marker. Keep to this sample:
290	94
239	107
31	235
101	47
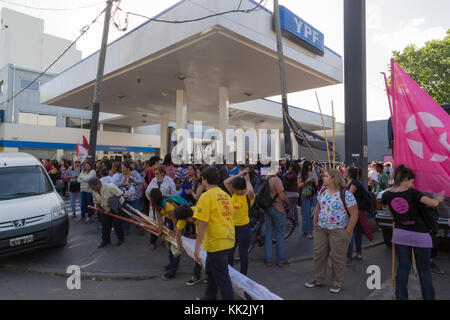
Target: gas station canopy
149	67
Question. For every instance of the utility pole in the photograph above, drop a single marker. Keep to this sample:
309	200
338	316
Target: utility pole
355	85
98	83
286	129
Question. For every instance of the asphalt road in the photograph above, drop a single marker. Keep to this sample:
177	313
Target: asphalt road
134	272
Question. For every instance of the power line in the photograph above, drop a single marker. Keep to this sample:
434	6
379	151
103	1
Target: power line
51	9
82	32
257	7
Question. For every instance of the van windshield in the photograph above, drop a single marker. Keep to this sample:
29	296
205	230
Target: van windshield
19	182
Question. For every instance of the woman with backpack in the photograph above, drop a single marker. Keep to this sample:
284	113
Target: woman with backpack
411	233
335	218
352	175
308	189
242	198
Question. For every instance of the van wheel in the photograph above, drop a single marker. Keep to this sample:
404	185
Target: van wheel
387	237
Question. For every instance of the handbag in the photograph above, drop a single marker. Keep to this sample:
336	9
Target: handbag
74	186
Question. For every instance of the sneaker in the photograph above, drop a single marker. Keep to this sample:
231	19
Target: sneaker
284	264
310	236
120	242
335	289
358	256
349	263
88	219
166	268
268	264
312	283
103	244
435	269
193	281
80	219
74	215
167	276
205	281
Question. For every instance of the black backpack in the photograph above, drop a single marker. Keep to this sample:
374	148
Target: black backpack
368	201
263	200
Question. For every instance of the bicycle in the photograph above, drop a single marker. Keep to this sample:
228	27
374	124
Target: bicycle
257	230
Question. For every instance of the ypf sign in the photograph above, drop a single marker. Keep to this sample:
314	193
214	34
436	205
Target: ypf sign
301	32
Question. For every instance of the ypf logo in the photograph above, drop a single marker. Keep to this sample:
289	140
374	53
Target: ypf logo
413	135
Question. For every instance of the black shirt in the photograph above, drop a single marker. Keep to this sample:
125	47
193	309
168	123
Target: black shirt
358	194
405	207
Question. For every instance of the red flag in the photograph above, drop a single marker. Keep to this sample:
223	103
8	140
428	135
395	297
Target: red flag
421	132
85	143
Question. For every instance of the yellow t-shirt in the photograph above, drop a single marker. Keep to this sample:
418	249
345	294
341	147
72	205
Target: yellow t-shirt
214	207
181	224
169	207
240	206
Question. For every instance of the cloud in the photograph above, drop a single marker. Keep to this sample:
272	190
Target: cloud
412	31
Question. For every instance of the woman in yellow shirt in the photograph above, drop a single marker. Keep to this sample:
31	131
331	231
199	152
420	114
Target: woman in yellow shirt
184	214
166	211
242	199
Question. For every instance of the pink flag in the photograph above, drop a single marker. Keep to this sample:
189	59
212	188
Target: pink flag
421	133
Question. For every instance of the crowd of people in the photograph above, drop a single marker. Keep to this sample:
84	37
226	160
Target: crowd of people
213	203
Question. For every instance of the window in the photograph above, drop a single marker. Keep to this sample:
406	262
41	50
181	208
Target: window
32	85
73	122
79	123
46	120
20	182
28	118
1	87
37	119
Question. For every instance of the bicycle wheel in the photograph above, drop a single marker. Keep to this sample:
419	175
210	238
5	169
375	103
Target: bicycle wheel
289	228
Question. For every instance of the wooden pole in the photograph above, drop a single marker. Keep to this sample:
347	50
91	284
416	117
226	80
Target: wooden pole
393	265
324	131
334	135
414	262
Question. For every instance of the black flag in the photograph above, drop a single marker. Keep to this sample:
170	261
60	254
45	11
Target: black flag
314	140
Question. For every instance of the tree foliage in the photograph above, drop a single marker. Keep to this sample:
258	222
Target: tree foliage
429	66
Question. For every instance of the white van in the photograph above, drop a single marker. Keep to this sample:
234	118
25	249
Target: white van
32	213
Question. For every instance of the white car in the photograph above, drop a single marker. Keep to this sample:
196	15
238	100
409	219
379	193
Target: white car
32	213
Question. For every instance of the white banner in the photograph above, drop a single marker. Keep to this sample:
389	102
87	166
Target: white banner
243	286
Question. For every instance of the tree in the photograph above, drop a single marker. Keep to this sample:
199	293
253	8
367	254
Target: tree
429	66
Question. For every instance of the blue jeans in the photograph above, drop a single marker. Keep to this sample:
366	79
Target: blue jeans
136	204
173	261
308	207
357	239
242	235
293	211
274	219
218	276
86	200
423	256
74	196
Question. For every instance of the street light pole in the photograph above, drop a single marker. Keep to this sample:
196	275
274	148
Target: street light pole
286	130
355	85
98	83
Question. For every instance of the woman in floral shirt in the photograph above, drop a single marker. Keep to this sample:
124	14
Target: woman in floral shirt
334	222
130	181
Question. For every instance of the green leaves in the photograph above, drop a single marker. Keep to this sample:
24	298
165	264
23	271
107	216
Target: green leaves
429	66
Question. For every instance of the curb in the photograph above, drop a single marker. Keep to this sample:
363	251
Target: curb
97	276
367	246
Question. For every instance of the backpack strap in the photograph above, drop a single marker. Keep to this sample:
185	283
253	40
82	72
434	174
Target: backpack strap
276	195
342	193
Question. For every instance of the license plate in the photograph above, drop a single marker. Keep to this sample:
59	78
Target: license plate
21	240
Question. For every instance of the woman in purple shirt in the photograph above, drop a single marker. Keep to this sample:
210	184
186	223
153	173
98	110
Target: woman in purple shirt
410	232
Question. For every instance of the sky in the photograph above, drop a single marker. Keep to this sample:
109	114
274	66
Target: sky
390	25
